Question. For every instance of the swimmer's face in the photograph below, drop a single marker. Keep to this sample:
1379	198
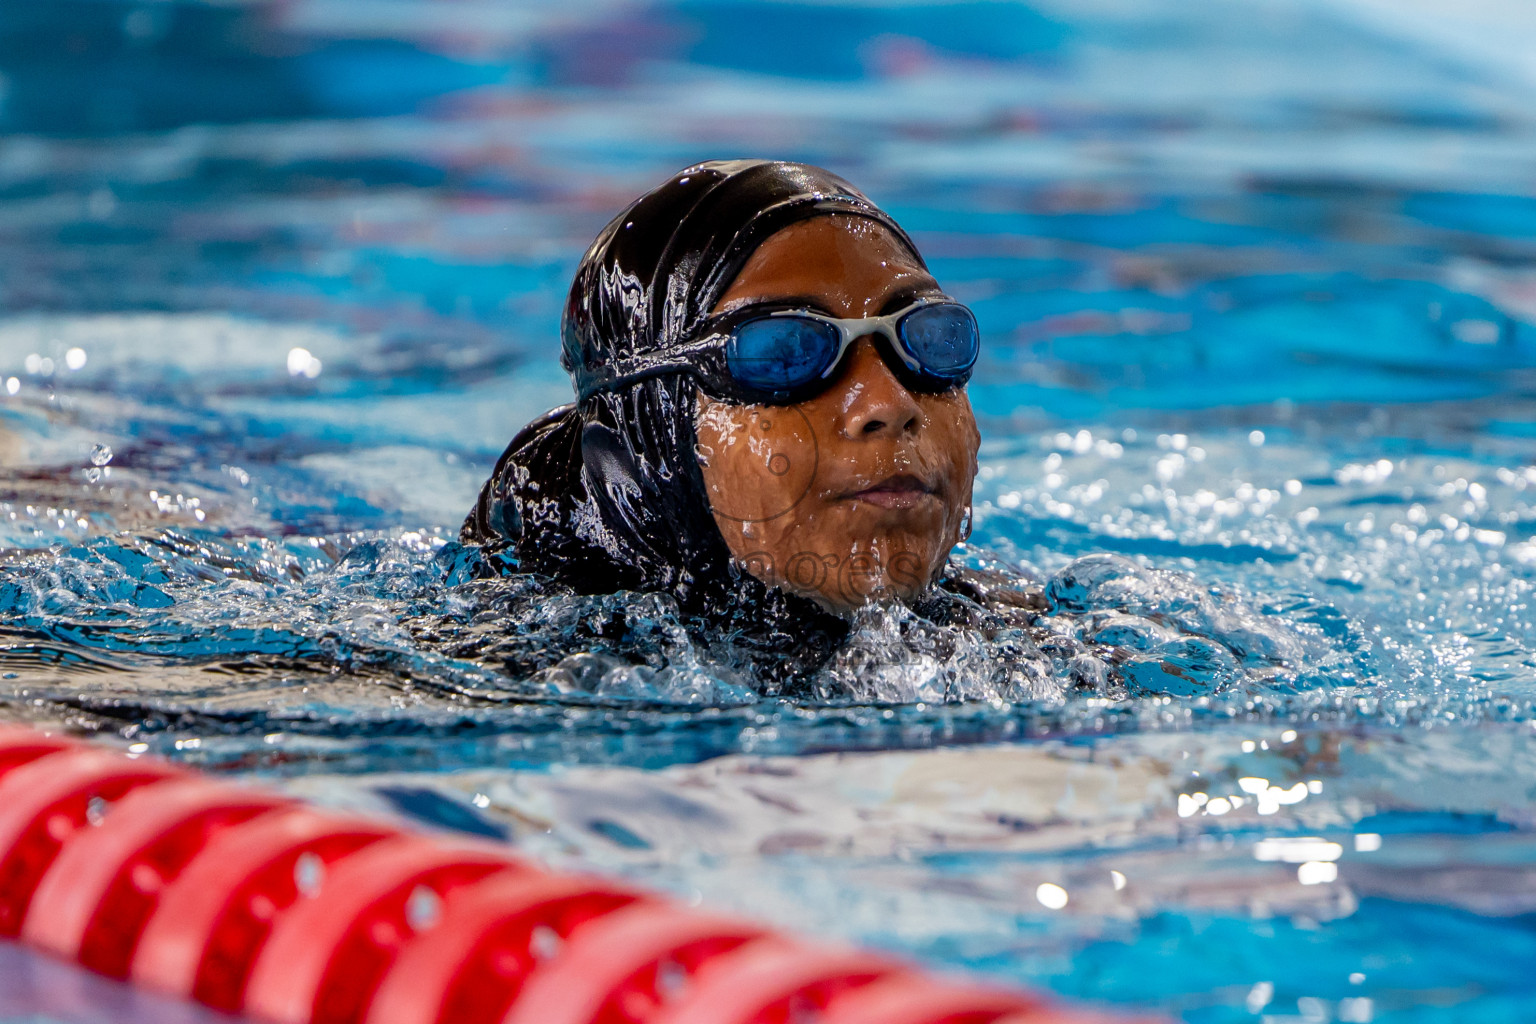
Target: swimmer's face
859	493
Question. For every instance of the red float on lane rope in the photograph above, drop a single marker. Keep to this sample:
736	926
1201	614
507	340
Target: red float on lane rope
92	903
204	937
493	936
246	901
773	980
45	802
19	746
625	967
326	955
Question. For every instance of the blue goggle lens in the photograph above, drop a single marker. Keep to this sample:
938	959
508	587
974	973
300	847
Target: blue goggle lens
781	353
942	338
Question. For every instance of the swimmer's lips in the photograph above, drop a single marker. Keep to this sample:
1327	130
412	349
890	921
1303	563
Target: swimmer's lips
901	491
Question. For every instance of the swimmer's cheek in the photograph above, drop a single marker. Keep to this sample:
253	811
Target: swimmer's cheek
859	578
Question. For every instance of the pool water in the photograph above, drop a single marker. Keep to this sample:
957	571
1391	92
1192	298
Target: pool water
1258	395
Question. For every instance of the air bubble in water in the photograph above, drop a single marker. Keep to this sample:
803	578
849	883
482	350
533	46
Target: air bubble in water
101	454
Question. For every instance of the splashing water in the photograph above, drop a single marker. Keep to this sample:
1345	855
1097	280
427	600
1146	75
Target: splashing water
406	611
406	605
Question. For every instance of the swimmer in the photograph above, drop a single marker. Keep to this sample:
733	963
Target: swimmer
771	421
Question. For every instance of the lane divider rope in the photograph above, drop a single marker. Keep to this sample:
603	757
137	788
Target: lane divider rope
252	903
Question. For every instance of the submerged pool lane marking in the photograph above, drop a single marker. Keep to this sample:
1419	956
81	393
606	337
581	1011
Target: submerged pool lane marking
250	902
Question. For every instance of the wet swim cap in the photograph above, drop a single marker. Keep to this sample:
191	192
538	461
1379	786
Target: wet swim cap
606	494
654	273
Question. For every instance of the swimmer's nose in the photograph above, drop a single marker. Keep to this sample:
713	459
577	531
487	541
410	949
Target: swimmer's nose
875	403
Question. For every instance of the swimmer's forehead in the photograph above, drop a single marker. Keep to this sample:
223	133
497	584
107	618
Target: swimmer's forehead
836	263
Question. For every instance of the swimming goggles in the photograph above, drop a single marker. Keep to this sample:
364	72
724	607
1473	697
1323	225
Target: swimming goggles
765	354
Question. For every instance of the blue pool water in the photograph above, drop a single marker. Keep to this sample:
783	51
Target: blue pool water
1258	289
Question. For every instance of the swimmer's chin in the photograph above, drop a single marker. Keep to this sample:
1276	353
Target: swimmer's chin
847	605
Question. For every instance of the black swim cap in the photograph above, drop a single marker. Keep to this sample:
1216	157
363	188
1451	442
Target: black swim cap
606	494
655	272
